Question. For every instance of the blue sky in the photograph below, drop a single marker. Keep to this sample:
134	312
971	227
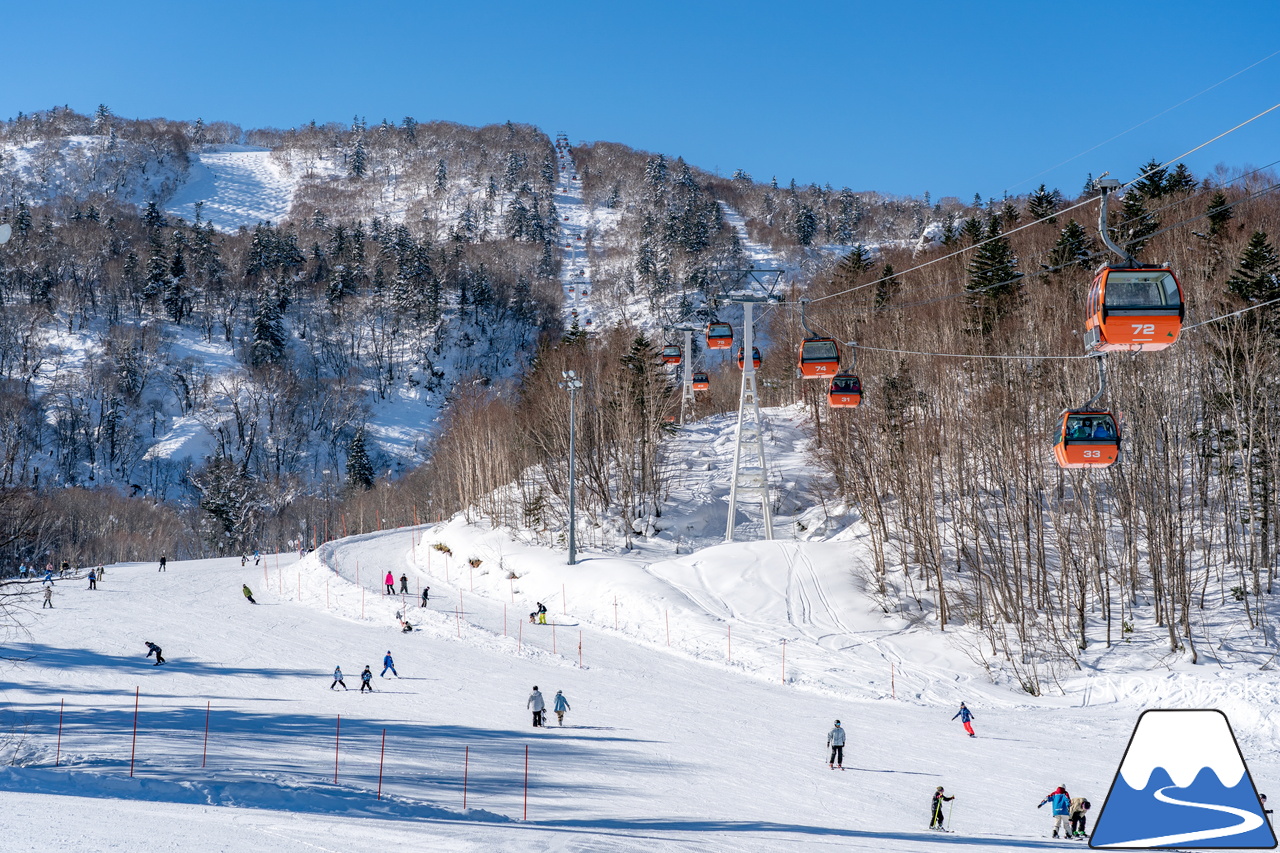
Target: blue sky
903	97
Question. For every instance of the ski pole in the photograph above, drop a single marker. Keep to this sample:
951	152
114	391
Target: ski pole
949	808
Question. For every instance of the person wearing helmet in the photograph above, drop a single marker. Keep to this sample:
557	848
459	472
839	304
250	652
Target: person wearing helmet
835	742
939	797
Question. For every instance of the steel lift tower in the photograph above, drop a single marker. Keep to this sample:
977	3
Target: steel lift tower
747	288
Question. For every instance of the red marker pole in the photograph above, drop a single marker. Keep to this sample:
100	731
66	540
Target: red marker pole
337	736
526	781
466	768
204	756
58	755
134	751
381	758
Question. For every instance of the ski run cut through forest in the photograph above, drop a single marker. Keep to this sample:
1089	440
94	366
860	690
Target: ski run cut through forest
306	394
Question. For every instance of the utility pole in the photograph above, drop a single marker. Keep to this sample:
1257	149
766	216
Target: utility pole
571	384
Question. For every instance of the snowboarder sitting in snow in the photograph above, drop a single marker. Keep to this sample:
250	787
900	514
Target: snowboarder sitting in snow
366	680
152	648
542	613
939	797
1079	809
1061	802
835	742
533	618
561	705
248	593
965	716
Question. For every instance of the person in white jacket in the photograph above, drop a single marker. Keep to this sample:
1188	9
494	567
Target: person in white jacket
835	742
537	704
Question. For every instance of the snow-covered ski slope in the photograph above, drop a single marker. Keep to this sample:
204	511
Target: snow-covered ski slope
687	730
238	185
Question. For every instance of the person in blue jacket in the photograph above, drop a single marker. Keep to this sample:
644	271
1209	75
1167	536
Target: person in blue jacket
1060	801
965	716
387	664
561	705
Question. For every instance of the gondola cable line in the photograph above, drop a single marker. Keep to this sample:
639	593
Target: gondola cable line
1056	213
1143	122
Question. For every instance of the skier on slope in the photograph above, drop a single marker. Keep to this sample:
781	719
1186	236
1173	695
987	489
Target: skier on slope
388	664
537	704
390	581
835	742
163	561
93	579
939	797
48	598
1060	801
248	593
404	584
561	705
426	595
366	680
542	613
965	716
152	648
337	679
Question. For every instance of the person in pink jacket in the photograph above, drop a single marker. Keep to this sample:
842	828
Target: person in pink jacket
391	583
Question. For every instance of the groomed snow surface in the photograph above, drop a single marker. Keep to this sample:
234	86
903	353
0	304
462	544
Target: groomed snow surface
702	744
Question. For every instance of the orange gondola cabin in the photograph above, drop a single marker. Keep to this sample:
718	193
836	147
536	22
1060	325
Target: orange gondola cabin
1087	440
719	336
701	382
671	354
819	358
1132	309
755	358
845	391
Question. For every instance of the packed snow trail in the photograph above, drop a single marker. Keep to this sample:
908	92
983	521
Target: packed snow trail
237	186
662	751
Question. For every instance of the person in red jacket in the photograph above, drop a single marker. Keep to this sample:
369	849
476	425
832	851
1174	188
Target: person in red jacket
390	581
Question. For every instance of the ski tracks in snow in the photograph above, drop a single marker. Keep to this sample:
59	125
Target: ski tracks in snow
237	185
